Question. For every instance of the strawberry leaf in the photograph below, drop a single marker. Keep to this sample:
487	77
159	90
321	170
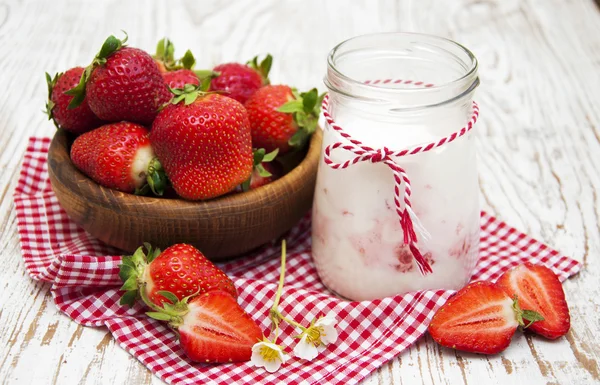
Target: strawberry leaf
130	283
298	139
205	84
531	316
126	271
110	46
168	295
201	74
292	106
246	185
262	172
189	98
309	100
188	60
259	155
51	82
159	316
165	51
129	298
270	156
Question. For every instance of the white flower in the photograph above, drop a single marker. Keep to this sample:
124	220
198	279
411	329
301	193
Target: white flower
268	355
314	339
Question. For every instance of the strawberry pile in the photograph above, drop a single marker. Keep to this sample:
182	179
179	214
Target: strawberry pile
482	317
146	123
195	298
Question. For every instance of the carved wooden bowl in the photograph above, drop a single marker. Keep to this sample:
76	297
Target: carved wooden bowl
221	228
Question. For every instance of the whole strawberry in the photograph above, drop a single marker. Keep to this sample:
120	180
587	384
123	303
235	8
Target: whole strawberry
212	327
280	118
181	269
119	156
181	77
122	83
203	143
241	81
76	120
479	318
539	289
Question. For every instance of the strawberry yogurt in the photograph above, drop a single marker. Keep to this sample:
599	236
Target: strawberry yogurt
357	243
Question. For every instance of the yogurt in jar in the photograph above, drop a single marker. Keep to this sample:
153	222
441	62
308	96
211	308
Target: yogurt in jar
357	242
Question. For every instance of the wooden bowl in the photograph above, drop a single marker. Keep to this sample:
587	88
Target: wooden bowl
221	228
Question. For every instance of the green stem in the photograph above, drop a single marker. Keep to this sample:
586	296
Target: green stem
281	279
292	322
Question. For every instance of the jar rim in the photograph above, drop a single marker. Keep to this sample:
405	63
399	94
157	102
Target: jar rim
378	88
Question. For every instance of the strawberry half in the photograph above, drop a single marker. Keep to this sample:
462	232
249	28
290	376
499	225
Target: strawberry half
181	269
204	143
280	118
119	156
241	81
122	83
539	289
212	327
480	318
76	120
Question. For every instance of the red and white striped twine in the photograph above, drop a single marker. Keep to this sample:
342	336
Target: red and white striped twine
408	219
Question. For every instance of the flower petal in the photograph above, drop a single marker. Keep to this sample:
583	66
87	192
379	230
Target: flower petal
330	334
272	366
305	350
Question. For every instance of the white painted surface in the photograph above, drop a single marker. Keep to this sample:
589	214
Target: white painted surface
539	148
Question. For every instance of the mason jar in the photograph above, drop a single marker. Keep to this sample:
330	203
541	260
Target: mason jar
388	93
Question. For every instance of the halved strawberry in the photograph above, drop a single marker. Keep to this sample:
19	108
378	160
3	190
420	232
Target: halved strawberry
539	289
480	318
181	269
212	327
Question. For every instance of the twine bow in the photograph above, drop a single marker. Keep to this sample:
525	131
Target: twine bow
408	219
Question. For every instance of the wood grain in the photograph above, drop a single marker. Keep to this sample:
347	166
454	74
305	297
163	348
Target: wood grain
222	228
538	138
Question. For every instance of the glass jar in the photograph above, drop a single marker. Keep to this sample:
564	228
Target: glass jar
395	91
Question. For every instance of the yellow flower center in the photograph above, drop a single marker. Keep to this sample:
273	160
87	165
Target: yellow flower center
269	354
313	335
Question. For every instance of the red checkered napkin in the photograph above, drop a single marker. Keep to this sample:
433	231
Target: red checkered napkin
84	276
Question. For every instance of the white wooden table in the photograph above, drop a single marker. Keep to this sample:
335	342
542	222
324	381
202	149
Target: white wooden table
539	147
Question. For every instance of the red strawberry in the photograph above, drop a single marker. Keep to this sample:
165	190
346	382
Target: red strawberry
204	144
212	327
539	289
181	269
179	78
119	156
280	118
76	120
240	81
122	83
480	318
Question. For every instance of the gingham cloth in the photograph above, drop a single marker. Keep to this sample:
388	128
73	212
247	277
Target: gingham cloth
84	276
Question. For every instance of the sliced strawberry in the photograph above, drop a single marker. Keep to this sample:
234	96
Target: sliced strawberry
480	318
217	329
539	289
